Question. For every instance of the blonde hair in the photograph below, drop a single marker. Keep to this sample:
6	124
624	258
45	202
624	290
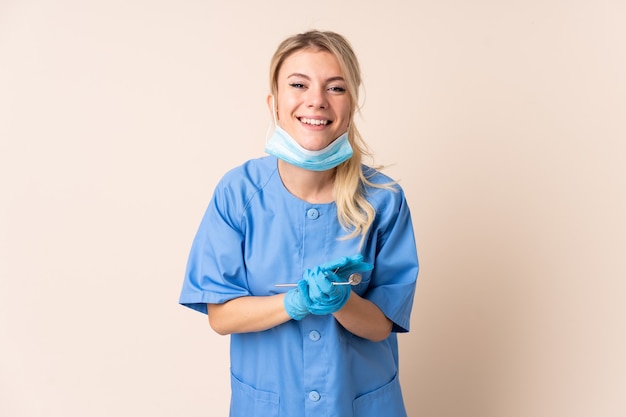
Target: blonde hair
354	212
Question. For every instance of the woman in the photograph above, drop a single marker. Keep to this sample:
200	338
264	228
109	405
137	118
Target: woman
310	213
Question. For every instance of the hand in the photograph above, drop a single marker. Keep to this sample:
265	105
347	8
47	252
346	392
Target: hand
295	301
346	266
316	293
323	297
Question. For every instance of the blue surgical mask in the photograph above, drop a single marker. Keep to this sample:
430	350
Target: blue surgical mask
283	146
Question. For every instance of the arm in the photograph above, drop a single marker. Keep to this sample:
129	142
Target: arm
363	318
254	314
247	314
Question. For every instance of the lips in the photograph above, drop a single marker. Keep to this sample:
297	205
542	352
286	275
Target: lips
314	122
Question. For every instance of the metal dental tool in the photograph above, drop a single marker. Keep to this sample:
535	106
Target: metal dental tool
354	279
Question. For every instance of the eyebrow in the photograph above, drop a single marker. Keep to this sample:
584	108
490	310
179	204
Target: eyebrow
300	75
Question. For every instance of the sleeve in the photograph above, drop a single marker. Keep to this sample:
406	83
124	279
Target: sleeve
215	270
396	264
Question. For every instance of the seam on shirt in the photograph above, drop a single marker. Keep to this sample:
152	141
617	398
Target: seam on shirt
259	188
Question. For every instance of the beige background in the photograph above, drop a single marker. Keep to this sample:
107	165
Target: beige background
503	120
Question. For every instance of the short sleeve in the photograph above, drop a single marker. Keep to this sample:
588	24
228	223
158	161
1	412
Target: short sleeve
396	265
215	270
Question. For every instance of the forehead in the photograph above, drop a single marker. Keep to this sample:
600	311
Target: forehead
311	62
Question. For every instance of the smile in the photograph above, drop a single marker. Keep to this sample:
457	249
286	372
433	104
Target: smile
314	122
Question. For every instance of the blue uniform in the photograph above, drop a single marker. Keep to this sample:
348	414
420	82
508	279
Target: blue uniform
255	234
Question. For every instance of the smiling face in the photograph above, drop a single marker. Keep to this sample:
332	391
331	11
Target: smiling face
312	102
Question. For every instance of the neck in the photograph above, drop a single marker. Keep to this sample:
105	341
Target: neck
310	186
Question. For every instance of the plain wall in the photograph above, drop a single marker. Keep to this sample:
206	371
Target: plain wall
503	121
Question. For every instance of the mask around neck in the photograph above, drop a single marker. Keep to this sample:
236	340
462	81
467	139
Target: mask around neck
283	146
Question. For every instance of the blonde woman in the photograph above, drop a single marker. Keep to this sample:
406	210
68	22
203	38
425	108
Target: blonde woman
311	211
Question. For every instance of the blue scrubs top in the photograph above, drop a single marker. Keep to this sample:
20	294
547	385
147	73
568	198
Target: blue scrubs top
255	234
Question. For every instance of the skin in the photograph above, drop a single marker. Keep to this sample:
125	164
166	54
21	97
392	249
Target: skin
311	87
313	106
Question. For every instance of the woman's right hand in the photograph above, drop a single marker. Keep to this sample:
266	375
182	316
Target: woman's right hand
346	266
323	297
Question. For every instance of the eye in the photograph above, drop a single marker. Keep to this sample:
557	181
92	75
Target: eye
337	89
296	85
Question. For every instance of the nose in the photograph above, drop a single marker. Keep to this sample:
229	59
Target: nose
316	98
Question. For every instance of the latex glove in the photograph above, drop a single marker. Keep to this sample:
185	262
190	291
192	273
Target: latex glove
323	297
295	301
346	266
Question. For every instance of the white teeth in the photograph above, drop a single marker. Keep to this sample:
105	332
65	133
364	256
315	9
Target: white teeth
314	122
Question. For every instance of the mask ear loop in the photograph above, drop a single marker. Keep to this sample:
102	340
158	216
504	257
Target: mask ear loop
273	123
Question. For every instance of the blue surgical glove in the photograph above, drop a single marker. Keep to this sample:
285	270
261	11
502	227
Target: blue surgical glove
346	266
323	297
295	301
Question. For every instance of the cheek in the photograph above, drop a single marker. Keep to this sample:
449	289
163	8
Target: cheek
344	112
342	106
284	107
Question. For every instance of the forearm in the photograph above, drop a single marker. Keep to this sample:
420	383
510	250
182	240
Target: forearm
363	318
248	314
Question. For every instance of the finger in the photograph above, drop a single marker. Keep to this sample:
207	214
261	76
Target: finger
359	267
312	277
324	281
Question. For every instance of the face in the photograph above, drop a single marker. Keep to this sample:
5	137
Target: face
312	103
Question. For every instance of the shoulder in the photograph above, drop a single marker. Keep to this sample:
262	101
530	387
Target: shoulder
251	175
254	171
239	185
382	191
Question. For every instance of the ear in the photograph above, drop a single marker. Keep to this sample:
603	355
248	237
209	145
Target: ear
270	105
